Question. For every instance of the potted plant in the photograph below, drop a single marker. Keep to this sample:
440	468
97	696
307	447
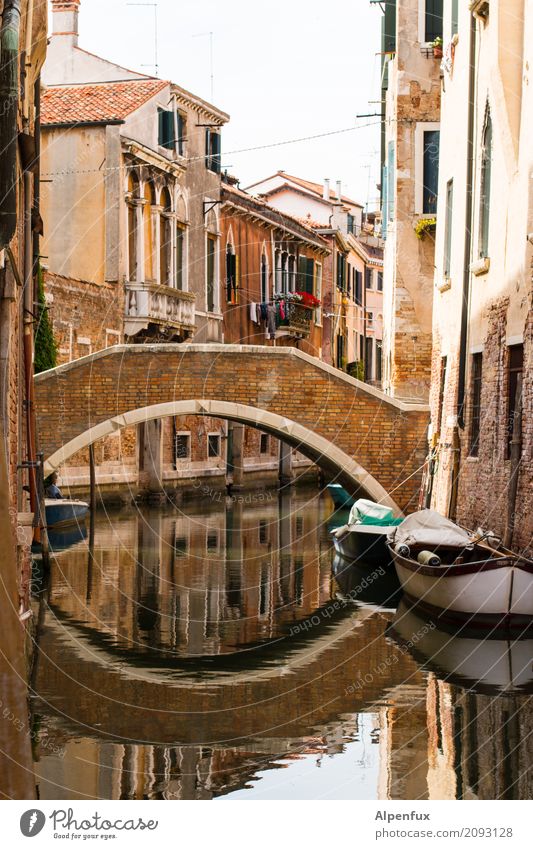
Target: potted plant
437	47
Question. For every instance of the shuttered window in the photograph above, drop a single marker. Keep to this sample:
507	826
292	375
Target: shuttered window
166	129
448	229
180	236
359	288
484	195
212	151
433	23
431	171
477	369
182	132
306	274
231	277
211	248
455	17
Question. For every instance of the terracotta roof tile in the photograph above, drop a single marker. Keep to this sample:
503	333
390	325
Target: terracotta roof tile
98	102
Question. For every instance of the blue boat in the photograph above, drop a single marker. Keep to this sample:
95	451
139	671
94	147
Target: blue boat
341	499
63	511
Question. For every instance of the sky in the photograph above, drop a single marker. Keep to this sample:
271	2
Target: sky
283	70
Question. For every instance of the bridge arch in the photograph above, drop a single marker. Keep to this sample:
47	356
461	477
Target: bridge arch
316	447
365	438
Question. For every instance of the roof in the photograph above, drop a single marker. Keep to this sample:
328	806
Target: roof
314	188
233	195
97	103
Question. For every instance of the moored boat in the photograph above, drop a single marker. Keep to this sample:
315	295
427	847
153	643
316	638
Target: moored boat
454	575
61	512
365	535
341	498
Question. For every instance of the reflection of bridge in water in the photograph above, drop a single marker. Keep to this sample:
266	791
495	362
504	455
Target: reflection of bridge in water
249	665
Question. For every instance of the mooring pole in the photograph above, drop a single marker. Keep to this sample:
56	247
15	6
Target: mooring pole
92	496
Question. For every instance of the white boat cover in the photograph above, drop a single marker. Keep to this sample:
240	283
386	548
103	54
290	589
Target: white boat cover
429	528
368	512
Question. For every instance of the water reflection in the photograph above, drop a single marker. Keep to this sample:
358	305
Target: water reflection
221	650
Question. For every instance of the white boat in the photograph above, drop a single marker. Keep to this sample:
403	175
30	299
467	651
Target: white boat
468	579
481	665
61	512
365	535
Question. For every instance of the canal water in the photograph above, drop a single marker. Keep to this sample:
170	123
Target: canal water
219	650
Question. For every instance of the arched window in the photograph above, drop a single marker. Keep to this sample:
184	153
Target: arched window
132	202
149	258
264	278
484	190
212	264
231	274
180	252
165	237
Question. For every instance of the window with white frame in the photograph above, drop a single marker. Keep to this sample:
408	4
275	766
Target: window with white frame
182	445
427	154
213	445
448	229
485	185
430	20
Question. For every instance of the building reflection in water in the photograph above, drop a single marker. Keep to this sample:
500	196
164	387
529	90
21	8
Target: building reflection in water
190	653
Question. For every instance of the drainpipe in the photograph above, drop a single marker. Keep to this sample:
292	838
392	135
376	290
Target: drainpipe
465	307
9	93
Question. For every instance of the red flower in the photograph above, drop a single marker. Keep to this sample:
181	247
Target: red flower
308	300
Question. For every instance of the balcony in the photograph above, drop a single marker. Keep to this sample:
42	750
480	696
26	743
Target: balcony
158	312
297	322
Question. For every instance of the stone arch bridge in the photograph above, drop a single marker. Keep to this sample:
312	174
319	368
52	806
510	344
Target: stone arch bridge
361	436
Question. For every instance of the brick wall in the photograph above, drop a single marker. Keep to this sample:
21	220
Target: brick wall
484	480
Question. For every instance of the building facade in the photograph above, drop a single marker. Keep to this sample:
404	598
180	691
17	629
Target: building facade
410	165
482	356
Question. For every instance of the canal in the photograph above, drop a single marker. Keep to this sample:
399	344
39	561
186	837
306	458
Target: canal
219	649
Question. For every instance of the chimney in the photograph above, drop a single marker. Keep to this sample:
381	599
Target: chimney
339	191
65	19
325	193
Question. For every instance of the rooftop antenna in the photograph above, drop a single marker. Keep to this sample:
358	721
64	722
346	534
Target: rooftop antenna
154	6
210	34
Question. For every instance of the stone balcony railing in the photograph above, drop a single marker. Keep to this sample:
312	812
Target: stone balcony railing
160	310
297	322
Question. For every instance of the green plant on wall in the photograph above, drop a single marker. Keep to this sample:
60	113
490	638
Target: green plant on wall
357	370
45	344
424	226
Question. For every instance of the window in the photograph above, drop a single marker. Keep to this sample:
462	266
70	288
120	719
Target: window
263	531
341	272
432	20
442	387
340	351
306	274
133	201
391	177
379	360
212	150
448	229
477	367
264	279
182	132
369	371
166	134
180	546
484	194
368	277
231	276
380	281
212	541
183	446
370	318
318	294
359	288
455	17
285	273
430	171
213	445
263	447
351	224
165	248
211	266
180	238
514	384
292	273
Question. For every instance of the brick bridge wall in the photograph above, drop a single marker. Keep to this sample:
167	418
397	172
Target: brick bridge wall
370	439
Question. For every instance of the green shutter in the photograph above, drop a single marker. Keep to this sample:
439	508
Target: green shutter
431	171
433	25
166	129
